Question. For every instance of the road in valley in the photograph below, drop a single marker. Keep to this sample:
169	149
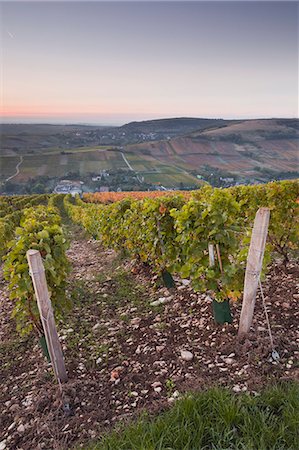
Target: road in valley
130	167
17	170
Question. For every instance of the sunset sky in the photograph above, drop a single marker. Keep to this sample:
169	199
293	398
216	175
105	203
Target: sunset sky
112	62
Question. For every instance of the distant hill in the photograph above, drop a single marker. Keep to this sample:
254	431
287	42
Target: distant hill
16	139
176	126
168	151
248	148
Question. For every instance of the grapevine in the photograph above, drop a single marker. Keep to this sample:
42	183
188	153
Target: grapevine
174	231
40	229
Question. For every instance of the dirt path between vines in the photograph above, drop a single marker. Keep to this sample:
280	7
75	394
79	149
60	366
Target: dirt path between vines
123	355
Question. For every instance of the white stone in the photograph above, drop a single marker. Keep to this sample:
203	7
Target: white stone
156	303
11	426
186	355
135	321
96	326
185	282
27	401
21	428
99	360
158	389
3	444
229	360
236	388
156	384
161	301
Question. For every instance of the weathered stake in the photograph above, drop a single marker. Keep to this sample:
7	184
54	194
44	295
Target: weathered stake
253	268
37	273
211	255
219	257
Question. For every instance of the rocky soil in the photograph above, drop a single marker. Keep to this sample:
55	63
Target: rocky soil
132	345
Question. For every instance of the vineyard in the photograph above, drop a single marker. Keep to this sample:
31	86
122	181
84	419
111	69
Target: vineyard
137	298
173	232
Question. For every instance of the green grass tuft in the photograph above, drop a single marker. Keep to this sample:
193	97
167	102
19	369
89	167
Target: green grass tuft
218	420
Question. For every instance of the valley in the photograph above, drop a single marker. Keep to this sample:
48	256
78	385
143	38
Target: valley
169	152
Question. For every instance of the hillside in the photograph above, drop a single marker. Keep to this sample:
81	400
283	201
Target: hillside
165	151
16	139
175	126
247	148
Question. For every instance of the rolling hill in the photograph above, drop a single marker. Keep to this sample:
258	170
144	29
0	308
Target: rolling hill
244	148
168	151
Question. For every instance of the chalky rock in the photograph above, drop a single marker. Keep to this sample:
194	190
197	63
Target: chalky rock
229	361
161	301
236	388
21	428
186	355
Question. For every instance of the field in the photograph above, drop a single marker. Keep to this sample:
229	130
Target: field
54	164
192	153
243	149
87	160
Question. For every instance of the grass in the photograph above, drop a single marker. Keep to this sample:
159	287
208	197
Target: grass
218	420
122	293
8	166
170	180
125	291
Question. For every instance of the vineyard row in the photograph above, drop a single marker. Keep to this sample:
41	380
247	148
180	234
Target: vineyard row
34	224
173	233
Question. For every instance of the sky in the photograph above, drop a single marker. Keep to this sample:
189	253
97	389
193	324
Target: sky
113	62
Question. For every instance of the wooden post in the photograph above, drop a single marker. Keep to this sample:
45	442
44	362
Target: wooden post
37	273
211	255
253	268
219	257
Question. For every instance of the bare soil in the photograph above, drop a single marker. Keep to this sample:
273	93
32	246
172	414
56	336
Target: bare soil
123	355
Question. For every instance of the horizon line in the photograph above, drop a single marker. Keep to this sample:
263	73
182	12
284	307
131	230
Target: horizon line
121	123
